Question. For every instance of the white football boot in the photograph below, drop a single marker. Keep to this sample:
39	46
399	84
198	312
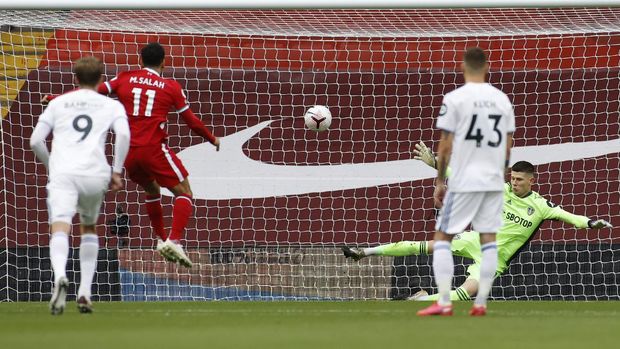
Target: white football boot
59	297
163	251
176	250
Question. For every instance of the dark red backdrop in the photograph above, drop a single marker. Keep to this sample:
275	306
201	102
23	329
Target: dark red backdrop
384	96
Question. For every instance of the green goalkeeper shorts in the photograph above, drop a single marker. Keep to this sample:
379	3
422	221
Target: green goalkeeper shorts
467	245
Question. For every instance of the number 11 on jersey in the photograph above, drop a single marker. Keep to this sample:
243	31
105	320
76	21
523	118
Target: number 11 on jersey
137	96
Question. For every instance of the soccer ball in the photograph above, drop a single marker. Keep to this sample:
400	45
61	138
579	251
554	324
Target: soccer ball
318	118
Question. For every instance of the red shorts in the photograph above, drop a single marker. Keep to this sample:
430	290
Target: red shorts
157	163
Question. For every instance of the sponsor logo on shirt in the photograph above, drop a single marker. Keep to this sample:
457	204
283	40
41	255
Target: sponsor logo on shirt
518	220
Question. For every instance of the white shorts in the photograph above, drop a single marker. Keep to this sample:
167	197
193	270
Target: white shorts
68	194
482	209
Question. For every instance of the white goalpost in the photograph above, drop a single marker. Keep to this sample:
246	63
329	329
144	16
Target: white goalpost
274	207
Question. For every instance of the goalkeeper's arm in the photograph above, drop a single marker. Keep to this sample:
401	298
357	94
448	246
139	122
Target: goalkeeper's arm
578	221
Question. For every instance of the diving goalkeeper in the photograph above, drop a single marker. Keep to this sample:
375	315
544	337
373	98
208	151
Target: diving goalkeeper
523	213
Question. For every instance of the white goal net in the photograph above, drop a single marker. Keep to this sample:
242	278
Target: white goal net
273	208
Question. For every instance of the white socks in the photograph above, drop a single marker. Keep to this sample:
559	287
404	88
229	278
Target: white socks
371	251
89	249
59	253
488	267
443	268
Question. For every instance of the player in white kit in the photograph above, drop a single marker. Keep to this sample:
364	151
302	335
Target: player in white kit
477	121
79	173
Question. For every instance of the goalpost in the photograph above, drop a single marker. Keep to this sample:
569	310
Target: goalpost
270	218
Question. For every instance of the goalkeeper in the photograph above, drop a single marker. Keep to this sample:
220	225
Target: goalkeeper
523	213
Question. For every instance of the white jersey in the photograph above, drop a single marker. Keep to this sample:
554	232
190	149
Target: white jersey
80	121
480	116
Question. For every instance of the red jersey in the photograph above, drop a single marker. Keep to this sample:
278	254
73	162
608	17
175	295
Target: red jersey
148	98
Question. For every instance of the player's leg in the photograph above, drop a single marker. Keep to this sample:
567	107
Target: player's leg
89	250
61	203
465	245
91	192
487	221
396	249
136	166
457	212
182	210
465	292
154	209
461	246
156	217
443	271
169	172
488	267
469	288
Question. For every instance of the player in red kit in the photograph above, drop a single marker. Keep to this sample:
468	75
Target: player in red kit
147	98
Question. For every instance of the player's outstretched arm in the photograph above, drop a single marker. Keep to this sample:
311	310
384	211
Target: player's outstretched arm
424	154
556	212
197	126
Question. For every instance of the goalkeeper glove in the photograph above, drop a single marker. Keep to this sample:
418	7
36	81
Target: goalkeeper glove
424	154
599	223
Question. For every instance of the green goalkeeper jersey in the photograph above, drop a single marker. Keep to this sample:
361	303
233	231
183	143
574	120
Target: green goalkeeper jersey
523	216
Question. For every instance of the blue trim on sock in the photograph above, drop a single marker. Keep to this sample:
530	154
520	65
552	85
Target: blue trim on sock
445	217
442	245
89	238
489	246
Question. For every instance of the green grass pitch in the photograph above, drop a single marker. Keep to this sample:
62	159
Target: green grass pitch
316	325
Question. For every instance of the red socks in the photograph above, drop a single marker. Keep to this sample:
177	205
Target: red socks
182	210
156	215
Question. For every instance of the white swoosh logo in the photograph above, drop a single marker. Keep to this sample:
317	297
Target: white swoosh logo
230	174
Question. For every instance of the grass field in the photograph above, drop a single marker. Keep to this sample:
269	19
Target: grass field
314	325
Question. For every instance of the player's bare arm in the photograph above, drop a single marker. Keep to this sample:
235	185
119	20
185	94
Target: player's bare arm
443	158
508	147
196	125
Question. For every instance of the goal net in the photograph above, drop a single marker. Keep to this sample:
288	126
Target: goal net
273	208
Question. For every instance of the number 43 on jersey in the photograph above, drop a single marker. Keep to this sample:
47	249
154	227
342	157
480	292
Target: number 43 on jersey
475	133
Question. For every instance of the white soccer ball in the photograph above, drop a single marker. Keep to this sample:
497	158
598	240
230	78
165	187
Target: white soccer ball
318	118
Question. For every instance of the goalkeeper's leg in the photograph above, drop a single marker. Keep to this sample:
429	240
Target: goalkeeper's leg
467	290
396	249
401	248
463	293
465	245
